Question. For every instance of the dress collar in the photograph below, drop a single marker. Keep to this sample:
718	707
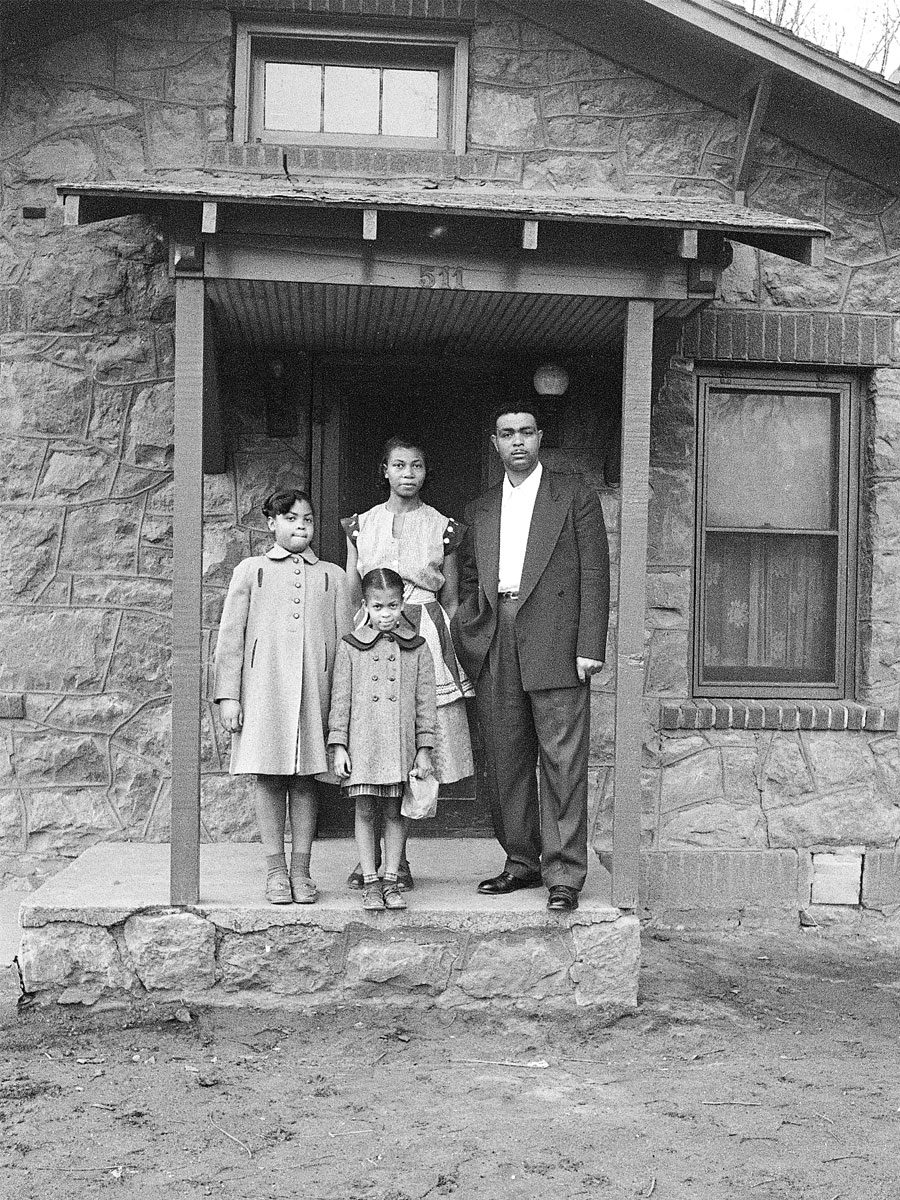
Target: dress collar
278	552
367	636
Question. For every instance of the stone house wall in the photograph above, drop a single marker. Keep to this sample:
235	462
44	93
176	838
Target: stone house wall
86	370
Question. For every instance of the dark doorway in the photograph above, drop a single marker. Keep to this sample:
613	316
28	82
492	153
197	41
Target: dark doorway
444	404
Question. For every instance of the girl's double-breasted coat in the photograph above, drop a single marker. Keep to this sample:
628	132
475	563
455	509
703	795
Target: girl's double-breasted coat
382	703
283	618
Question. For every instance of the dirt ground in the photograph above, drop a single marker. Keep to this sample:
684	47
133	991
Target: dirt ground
758	1065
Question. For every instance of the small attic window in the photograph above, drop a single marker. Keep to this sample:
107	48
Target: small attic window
351	87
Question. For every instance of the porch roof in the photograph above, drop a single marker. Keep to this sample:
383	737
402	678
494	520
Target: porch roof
788	236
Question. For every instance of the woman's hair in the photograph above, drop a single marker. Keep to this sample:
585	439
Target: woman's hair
283	501
381	577
398	442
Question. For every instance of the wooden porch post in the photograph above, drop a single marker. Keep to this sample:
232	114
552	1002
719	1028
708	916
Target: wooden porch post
187	562
636	393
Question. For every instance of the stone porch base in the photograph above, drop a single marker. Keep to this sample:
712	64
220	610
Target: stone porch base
102	930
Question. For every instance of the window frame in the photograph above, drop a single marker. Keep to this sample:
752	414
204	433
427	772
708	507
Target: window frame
440	44
846	388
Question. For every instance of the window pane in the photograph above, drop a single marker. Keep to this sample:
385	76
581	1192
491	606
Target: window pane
770	608
351	99
293	98
409	104
770	459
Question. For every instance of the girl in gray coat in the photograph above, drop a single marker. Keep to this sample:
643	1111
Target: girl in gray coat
381	726
283	617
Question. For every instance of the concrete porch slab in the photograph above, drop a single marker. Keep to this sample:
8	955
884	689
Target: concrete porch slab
103	930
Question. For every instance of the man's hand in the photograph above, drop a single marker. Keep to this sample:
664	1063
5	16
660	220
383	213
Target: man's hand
586	667
422	764
231	715
340	762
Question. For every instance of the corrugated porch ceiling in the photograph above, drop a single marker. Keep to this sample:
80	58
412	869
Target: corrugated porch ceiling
344	318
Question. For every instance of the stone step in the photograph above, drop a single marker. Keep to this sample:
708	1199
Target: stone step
103	930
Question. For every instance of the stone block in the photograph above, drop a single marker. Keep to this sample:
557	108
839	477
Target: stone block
50	757
718	879
12	814
881	878
12	706
785	774
227	807
531	967
671	516
401	963
851	816
669	599
286	961
508	66
67	818
142	657
121	150
715	823
670	144
135	785
171	951
205	78
22	459
553	169
839	760
58	651
503	118
39	395
76	473
603	727
607	957
150	426
66	954
836	878
102	537
790	285
667	663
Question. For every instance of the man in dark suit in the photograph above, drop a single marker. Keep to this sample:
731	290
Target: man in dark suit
531	630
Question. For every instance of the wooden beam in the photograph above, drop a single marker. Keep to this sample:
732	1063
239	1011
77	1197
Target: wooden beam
210	218
370	224
529	235
449	268
751	129
815	253
187	561
71	205
687	243
636	395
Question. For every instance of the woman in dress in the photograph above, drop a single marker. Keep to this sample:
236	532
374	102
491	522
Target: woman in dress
420	544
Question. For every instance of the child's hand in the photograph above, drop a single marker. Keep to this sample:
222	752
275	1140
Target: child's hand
340	761
422	764
231	715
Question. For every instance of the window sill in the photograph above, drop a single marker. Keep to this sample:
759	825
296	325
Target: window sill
790	715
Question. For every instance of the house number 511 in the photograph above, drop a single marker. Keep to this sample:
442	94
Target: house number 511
441	277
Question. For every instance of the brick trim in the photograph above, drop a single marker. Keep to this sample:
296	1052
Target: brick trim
722	714
259	159
431	10
826	339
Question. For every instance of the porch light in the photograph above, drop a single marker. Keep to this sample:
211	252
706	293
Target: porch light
550	379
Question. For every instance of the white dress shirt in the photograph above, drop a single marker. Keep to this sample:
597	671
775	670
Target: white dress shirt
516	508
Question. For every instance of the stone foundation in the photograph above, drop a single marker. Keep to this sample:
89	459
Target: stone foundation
102	931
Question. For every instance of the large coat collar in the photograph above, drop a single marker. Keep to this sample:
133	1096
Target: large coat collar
278	552
550	509
366	637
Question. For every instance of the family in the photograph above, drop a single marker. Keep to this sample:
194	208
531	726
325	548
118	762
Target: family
362	675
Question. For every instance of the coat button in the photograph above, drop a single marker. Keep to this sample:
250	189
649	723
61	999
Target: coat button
298	571
375	658
296	558
375	699
297	600
392	697
374	678
391	657
298	584
296	616
392	678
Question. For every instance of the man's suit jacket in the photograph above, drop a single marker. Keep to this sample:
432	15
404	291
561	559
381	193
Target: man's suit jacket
563	608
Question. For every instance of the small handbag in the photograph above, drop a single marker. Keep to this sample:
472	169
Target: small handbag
419	797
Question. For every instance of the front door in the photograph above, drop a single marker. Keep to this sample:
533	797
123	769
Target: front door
445	404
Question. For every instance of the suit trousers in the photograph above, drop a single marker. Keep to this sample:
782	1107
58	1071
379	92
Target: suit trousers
541	829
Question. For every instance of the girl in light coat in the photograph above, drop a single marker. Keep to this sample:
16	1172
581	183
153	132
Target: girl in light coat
382	726
284	615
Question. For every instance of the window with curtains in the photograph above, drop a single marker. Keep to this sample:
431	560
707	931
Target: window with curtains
777	500
403	89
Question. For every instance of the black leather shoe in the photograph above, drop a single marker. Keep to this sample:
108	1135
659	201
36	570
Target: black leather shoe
504	883
562	898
